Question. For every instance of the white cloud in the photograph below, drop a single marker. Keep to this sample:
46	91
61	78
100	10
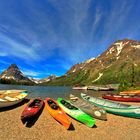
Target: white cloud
31	73
70	31
115	23
17	49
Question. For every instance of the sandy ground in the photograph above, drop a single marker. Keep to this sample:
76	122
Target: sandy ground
46	128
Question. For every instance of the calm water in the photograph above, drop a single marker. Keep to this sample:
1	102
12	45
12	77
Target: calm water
49	91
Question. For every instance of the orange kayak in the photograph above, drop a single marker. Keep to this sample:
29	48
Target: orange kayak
57	113
130	92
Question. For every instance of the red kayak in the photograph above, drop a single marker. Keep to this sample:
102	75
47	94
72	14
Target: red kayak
123	98
32	109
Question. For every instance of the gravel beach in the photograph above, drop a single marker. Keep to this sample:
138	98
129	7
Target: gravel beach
46	128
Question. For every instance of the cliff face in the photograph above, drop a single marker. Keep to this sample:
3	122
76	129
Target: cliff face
119	61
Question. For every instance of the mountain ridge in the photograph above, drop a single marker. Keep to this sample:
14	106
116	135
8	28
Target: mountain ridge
112	66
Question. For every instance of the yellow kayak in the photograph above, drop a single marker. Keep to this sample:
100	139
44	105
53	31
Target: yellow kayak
11	97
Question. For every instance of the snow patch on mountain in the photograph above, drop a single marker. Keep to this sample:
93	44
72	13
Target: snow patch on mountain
89	60
136	46
85	72
7	77
74	70
119	47
108	66
100	75
111	50
117	57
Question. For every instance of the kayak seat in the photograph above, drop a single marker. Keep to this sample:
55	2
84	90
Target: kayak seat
35	103
63	102
71	107
54	105
50	101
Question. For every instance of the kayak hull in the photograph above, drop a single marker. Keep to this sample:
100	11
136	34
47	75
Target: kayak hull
100	88
76	113
80	88
130	92
32	109
114	107
122	98
7	97
90	109
57	113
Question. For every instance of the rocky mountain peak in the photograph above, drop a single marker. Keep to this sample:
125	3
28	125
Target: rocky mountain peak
14	73
13	67
122	47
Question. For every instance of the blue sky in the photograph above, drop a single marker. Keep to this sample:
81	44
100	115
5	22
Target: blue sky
46	37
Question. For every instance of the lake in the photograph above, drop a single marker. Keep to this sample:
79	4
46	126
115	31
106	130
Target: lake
50	91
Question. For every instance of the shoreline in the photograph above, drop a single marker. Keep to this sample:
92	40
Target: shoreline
118	127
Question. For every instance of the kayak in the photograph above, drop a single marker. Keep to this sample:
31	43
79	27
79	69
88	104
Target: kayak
123	98
96	88
80	88
57	113
114	107
76	113
32	109
130	92
11	97
90	109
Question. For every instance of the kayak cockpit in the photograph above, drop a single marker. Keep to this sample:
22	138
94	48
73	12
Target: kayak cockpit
52	104
68	105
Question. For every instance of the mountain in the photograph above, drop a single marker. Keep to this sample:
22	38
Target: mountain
12	75
48	79
44	80
35	80
119	62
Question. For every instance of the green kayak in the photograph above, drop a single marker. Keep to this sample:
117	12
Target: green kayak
76	113
114	107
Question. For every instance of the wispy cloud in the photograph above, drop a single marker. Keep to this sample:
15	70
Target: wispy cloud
65	32
31	73
17	49
4	62
115	24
